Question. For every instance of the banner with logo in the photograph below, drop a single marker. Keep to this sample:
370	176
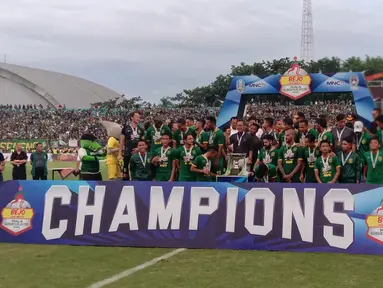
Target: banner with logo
294	84
9	145
286	217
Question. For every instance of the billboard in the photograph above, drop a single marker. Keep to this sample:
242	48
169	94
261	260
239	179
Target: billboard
285	217
8	145
295	84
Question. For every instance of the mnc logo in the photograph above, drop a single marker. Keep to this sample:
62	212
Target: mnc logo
259	84
335	83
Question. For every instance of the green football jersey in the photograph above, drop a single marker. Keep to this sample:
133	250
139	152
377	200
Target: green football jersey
327	170
178	135
186	158
374	175
141	167
362	144
217	139
351	167
201	162
202	137
165	166
300	137
309	157
272	174
153	136
282	138
326	135
268	157
289	156
379	134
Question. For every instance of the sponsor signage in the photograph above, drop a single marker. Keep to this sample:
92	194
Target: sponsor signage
259	84
299	217
335	82
8	145
295	83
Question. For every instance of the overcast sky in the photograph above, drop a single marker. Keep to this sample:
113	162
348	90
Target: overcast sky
155	48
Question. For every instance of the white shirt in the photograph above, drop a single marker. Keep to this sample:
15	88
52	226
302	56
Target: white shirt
259	133
232	131
81	153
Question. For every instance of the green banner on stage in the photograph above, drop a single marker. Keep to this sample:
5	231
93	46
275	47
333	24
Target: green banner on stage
8	145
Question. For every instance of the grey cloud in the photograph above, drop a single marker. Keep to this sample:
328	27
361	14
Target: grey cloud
154	48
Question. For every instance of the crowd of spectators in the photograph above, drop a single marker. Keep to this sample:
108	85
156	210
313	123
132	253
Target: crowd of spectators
37	122
278	111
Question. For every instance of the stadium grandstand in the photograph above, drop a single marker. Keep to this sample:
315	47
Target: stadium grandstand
25	85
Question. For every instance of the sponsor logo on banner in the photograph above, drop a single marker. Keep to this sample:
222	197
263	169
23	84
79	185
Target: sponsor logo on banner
240	85
8	145
259	84
374	222
335	83
295	83
354	82
17	216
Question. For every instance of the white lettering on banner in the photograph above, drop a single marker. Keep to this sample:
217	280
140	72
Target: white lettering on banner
251	198
162	213
196	209
292	208
127	201
338	196
89	210
231	204
55	192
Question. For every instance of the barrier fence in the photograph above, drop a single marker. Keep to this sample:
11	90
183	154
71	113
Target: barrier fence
288	217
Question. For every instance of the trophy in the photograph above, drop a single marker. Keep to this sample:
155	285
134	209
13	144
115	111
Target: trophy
236	164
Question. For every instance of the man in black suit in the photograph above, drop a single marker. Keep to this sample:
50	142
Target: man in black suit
19	159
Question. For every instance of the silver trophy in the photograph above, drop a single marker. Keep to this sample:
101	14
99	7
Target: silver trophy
236	164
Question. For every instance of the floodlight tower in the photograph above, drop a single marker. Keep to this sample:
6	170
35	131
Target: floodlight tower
307	37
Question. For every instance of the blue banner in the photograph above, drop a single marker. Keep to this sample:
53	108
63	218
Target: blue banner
288	217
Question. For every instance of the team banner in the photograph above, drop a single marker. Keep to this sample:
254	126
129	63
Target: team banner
8	145
288	217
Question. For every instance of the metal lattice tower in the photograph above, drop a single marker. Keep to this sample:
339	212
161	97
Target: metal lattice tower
307	37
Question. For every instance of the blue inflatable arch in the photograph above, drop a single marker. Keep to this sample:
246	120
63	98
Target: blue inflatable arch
295	84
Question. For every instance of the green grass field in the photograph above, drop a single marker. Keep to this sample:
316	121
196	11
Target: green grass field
38	266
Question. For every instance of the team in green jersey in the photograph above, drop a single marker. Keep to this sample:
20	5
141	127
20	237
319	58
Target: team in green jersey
164	161
304	156
350	163
154	133
185	157
181	132
373	161
217	141
310	154
202	166
290	159
327	167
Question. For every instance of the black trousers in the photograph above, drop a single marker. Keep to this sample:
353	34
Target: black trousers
91	177
19	173
40	174
126	176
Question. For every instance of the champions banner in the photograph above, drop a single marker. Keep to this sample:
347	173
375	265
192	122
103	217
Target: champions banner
288	217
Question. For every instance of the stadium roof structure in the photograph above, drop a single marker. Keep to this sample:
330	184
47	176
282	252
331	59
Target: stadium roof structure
25	85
